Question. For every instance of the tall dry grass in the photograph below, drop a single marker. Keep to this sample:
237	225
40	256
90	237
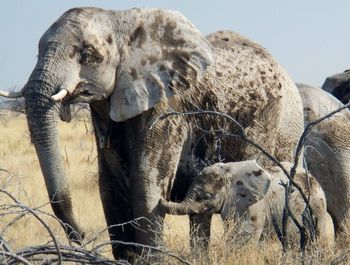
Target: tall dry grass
24	180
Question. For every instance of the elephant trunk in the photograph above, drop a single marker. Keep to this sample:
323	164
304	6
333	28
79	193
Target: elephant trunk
42	117
188	206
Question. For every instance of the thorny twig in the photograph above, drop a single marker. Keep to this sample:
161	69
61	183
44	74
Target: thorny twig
286	214
158	249
16	258
4	245
69	254
133	223
27	209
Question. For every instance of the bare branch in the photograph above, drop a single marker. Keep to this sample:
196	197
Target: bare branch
17	258
158	249
21	205
306	132
4	245
54	251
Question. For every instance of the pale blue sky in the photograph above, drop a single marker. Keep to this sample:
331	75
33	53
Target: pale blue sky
309	38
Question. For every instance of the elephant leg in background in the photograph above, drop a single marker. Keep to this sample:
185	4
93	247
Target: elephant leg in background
254	220
247	225
200	231
329	164
327	151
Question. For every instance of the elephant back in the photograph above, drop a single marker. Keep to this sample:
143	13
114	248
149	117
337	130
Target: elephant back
230	40
248	84
318	103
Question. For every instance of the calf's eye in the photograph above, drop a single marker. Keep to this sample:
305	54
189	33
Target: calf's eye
243	195
207	196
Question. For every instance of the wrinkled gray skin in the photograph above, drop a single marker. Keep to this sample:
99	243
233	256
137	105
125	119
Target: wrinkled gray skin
131	66
328	151
253	194
339	86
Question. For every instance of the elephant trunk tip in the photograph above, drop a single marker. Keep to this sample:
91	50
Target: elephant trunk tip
163	205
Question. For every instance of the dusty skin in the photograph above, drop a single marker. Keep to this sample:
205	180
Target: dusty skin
26	183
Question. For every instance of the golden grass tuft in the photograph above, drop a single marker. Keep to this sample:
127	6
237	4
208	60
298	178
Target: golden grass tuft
25	181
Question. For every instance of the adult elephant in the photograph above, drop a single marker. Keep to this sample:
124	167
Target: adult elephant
339	86
327	151
132	66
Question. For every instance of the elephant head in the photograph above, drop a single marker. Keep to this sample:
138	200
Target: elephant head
134	58
220	186
339	86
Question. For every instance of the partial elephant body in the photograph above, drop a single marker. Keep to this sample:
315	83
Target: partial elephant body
132	66
327	151
339	86
263	95
246	83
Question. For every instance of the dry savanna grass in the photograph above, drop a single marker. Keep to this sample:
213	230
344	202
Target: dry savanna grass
24	180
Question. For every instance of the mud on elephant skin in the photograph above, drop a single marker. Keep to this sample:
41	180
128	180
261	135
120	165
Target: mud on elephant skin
247	192
131	66
327	151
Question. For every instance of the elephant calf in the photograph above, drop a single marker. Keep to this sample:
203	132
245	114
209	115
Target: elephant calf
244	188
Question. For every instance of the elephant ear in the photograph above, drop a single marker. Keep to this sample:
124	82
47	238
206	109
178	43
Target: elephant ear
165	55
249	183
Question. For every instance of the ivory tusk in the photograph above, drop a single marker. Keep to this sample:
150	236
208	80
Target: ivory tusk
60	95
13	94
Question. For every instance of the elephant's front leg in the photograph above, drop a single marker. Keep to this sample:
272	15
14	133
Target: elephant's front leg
200	231
154	174
147	189
114	191
116	205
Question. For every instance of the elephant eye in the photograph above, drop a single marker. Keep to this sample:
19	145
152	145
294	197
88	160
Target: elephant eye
207	196
243	195
89	55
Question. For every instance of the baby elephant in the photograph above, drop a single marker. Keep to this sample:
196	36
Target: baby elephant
244	189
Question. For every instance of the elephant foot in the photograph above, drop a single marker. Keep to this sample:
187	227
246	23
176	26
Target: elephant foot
74	235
